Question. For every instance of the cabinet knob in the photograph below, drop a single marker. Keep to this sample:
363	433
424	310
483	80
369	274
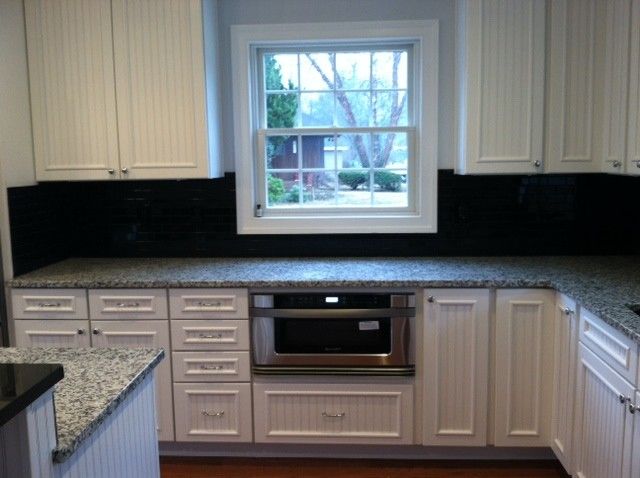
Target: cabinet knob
431	299
624	399
80	331
537	163
616	163
637	161
633	408
96	331
567	311
125	170
111	171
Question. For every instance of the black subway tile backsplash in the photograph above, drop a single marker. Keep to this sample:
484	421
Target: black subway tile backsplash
477	215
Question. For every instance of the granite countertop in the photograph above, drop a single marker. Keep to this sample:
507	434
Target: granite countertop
605	285
95	382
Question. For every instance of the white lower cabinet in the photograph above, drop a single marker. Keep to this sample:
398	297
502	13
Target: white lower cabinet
456	353
52	333
213	412
523	366
564	370
147	334
604	426
333	413
635	451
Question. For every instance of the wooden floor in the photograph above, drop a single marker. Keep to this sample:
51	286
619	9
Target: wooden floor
328	468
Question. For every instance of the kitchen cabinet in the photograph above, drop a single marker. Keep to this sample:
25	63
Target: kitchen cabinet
635	449
52	333
143	334
124	89
456	358
500	86
564	372
523	366
574	90
633	130
604	426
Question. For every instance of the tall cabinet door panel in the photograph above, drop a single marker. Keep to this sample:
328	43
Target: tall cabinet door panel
501	86
635	451
524	361
633	134
147	334
160	78
564	372
456	331
72	89
52	333
574	71
603	429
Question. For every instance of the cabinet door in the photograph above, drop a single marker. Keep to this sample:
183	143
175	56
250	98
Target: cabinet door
633	134
160	80
635	450
456	365
571	97
72	88
603	430
148	334
501	89
616	76
564	370
52	333
524	364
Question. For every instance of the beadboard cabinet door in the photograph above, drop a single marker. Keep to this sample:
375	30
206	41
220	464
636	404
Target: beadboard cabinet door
574	93
161	88
73	104
524	364
500	75
456	337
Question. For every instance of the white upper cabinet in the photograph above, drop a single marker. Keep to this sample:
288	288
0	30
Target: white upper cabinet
123	89
574	86
500	82
73	101
633	132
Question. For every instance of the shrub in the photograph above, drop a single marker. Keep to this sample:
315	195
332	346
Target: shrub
276	189
387	180
353	179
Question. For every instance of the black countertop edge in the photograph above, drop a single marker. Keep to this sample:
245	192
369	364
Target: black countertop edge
36	380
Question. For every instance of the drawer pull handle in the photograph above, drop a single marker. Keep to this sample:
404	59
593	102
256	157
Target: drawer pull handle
49	304
207	413
210	336
129	305
211	367
210	304
633	408
624	399
333	415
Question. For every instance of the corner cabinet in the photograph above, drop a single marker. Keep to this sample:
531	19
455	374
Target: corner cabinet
456	345
500	75
123	89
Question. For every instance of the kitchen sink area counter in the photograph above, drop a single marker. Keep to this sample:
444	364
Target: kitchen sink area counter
605	285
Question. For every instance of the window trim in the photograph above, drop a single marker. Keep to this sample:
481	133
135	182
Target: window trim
246	39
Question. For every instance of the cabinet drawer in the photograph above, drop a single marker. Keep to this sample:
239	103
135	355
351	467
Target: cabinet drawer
210	335
49	303
211	367
213	412
614	348
106	304
52	333
333	413
208	303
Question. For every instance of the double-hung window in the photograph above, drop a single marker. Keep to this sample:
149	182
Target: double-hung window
335	127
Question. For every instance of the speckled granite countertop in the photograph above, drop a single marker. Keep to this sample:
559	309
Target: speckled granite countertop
95	382
605	285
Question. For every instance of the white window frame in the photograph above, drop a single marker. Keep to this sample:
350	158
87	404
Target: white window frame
246	40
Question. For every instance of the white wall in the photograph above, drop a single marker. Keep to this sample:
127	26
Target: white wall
248	12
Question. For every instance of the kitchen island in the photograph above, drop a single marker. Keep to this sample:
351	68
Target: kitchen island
99	420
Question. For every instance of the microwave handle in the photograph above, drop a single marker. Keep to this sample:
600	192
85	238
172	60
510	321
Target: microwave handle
332	313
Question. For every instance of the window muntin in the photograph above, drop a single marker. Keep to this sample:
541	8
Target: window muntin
336	129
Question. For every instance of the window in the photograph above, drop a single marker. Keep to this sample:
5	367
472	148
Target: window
336	127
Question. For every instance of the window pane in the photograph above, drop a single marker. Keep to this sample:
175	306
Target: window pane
319	189
283	189
282	152
389	108
353	151
353	70
316	109
354	188
390	188
316	71
389	70
281	110
354	109
281	71
390	150
318	152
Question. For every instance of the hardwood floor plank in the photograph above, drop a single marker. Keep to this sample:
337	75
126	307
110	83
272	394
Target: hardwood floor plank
341	468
